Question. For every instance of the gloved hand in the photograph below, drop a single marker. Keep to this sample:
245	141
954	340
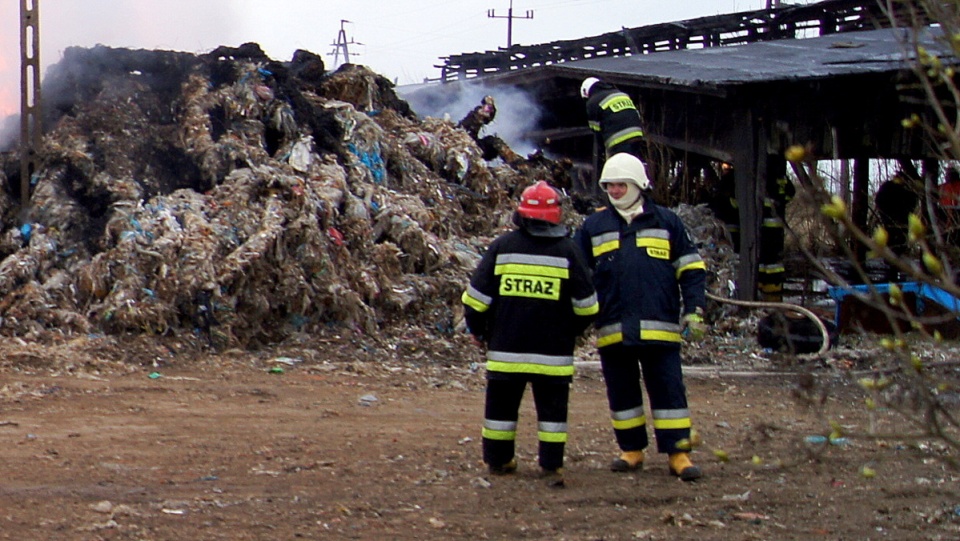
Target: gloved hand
694	329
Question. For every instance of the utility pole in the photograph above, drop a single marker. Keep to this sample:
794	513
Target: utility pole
342	44
509	17
30	122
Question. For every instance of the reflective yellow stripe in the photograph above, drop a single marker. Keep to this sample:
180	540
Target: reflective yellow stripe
658	248
531	270
663	244
552	437
771	288
672	423
772	223
626	137
474	303
629	423
587	310
609	339
529	368
692	266
608	246
664	336
618	102
502	435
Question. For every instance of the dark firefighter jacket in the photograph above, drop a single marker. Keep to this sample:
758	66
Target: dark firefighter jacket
613	116
529	299
642	271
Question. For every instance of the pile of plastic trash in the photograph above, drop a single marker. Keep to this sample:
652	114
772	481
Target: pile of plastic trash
231	196
238	199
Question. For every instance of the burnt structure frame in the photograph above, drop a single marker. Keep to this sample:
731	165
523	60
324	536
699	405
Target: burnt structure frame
848	103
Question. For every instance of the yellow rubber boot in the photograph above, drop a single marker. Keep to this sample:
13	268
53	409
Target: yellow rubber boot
504	469
628	461
681	466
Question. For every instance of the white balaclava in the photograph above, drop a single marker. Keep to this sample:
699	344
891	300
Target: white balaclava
626	168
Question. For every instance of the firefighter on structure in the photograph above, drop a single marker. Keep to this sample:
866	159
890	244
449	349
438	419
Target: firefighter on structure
528	300
650	282
771	271
613	117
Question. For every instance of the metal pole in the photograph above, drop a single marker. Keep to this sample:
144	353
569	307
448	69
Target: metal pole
509	17
30	122
510	25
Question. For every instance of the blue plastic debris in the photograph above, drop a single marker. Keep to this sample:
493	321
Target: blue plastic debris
923	292
372	160
25	231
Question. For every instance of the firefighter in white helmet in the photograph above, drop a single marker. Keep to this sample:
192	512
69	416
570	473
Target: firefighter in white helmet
613	117
528	300
650	282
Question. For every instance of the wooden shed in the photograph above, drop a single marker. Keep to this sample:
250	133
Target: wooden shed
844	94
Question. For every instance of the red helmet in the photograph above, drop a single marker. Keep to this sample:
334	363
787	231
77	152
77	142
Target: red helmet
540	202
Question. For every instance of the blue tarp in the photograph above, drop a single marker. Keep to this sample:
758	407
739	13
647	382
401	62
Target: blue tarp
924	292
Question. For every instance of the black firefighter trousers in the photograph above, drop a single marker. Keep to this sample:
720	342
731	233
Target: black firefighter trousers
663	379
502	409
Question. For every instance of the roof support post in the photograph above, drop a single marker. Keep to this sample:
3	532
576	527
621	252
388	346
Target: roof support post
860	203
749	166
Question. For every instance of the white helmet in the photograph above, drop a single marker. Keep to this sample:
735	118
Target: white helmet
587	85
625	167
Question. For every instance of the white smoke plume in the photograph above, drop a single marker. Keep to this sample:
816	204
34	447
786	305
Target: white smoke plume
114	23
518	113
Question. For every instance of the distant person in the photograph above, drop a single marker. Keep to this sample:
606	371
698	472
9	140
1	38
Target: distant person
723	203
613	117
949	200
894	201
651	284
529	299
479	116
771	271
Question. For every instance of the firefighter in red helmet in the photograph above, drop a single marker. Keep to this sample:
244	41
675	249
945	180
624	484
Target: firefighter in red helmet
528	300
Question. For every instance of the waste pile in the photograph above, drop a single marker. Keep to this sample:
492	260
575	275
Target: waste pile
240	200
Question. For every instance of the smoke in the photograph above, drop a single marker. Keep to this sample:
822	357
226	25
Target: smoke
518	113
9	131
114	23
9	71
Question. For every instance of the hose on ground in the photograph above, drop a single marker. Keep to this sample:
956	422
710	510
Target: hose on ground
825	344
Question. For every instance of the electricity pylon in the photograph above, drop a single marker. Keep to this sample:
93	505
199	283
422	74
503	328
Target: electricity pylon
342	44
509	17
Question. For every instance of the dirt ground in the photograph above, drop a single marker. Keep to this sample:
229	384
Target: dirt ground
339	438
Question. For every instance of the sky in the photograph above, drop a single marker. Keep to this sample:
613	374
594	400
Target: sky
400	39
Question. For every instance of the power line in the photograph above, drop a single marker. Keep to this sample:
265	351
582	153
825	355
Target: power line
509	17
342	44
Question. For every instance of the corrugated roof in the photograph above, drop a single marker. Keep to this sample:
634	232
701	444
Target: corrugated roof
833	55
